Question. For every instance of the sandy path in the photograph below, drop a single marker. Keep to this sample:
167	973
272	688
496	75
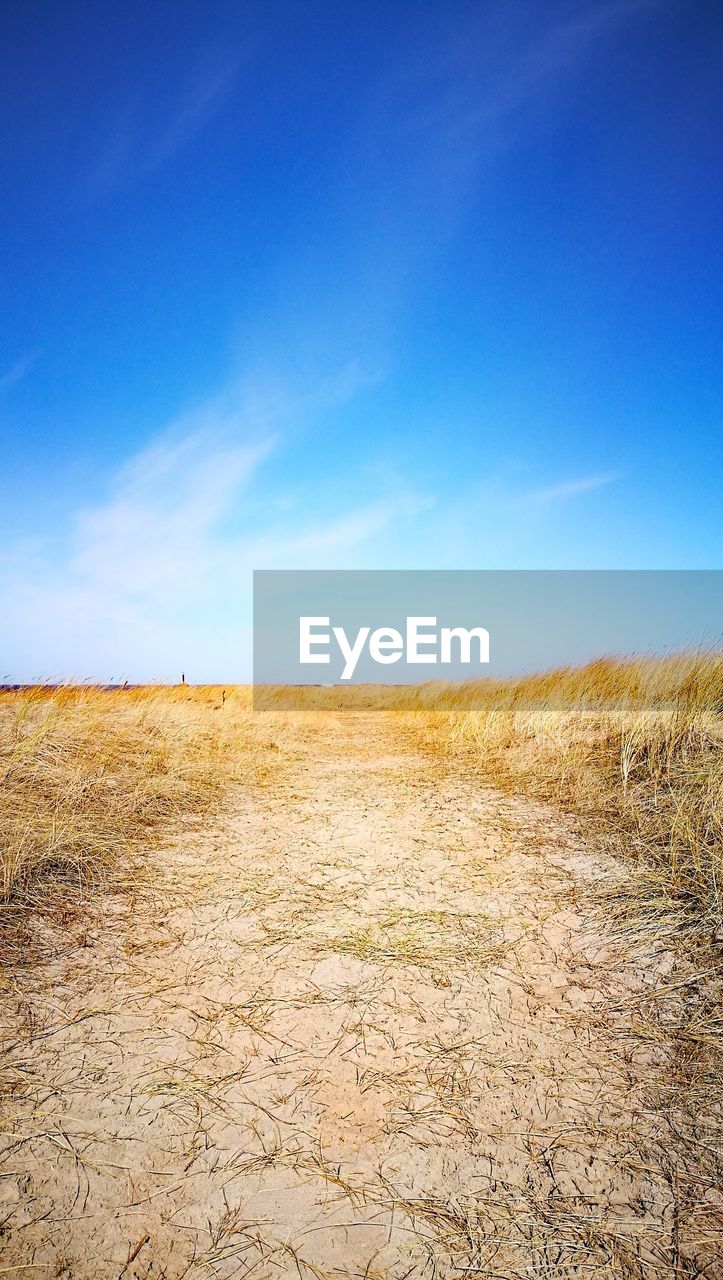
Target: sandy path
364	1028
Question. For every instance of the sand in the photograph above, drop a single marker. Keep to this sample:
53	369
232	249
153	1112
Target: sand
369	1023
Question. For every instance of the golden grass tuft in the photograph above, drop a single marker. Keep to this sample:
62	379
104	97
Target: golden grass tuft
632	746
90	777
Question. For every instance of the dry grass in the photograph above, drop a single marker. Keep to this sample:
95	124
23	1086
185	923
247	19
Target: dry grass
633	747
342	996
93	777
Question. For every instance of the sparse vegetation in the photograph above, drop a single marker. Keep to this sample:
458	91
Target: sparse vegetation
92	777
632	746
375	1017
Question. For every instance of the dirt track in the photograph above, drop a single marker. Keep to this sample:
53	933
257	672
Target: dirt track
367	1026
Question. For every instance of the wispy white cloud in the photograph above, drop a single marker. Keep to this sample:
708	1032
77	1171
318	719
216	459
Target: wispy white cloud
329	543
551	494
117	158
154	576
424	140
156	534
206	93
141	138
441	114
161	564
17	371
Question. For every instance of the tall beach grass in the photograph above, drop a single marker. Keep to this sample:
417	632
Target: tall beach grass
633	746
90	777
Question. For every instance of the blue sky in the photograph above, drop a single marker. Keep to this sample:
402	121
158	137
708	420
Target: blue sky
327	285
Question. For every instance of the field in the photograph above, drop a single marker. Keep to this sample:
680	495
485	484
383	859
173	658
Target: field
426	990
